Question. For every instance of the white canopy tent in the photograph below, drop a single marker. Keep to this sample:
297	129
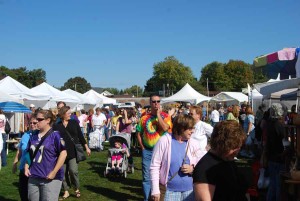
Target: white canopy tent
20	91
55	96
187	94
86	102
5	97
92	94
230	98
267	88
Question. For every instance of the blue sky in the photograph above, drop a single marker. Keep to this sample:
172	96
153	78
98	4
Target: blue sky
115	43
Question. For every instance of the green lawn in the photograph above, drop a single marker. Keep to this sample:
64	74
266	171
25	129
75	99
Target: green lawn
94	186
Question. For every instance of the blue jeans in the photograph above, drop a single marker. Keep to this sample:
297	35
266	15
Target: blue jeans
274	186
3	153
146	160
185	196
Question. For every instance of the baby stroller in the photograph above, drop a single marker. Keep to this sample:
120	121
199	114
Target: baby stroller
122	170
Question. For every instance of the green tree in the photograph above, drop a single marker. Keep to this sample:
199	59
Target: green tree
213	75
240	73
169	75
134	90
78	84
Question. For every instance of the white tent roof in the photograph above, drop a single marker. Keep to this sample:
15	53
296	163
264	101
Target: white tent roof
267	88
84	99
187	94
230	96
19	91
55	94
256	95
5	97
96	96
278	94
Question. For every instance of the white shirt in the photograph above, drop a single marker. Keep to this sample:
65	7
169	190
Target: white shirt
202	131
98	120
215	116
81	119
2	123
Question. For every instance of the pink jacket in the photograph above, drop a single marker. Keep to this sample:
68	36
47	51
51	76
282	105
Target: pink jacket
161	157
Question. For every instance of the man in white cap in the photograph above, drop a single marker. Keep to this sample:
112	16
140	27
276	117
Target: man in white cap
27	117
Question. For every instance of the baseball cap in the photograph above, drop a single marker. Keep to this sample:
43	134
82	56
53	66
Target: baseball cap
106	107
31	105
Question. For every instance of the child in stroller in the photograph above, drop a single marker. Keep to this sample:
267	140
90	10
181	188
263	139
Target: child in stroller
117	154
117	161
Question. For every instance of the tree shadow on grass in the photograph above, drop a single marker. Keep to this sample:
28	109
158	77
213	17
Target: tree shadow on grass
5	199
111	194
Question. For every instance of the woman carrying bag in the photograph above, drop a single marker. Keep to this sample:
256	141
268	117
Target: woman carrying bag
71	133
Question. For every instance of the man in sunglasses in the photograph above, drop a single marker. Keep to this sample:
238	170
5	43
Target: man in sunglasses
150	128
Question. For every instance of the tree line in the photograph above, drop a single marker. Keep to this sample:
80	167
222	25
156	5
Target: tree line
169	76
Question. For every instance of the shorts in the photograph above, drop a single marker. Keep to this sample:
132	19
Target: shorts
116	157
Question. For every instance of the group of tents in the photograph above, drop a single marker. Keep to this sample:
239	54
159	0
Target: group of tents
15	99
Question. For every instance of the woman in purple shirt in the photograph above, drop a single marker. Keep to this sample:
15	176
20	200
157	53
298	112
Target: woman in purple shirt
45	171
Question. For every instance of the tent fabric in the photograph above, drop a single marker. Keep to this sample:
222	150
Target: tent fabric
11	106
256	95
278	94
6	97
84	99
285	54
297	65
230	96
282	61
187	94
289	96
19	91
267	88
92	94
55	94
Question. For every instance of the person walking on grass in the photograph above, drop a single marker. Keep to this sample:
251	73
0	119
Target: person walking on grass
150	128
48	154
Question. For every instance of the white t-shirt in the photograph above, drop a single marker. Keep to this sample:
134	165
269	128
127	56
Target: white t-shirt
202	131
215	116
98	120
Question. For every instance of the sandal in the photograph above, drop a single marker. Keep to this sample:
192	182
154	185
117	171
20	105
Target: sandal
65	196
77	193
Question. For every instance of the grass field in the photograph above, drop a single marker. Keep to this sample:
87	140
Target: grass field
94	186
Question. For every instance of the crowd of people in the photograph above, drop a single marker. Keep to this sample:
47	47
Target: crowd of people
188	152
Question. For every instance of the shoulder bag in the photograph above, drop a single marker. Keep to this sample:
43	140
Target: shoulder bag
7	127
80	156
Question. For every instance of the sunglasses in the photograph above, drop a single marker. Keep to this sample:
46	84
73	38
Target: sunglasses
155	101
40	119
33	123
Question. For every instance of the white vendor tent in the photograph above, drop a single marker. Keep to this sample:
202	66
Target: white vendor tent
267	88
19	91
5	97
55	96
84	99
187	94
100	98
230	97
278	94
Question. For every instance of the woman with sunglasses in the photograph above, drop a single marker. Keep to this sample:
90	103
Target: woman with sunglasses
173	160
47	151
23	157
70	128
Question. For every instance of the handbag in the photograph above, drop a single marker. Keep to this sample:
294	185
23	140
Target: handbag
7	127
79	151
